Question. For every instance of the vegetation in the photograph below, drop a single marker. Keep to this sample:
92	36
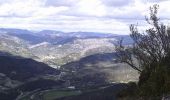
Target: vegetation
22	69
150	56
50	94
100	93
59	94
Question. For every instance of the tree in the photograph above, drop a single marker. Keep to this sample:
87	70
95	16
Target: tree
150	51
150	47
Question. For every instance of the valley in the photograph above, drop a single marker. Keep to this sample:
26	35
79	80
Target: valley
34	62
84	50
57	48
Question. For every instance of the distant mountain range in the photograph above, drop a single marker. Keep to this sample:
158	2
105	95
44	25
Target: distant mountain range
57	37
55	47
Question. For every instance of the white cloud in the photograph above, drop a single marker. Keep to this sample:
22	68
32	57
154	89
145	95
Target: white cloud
93	7
78	15
68	3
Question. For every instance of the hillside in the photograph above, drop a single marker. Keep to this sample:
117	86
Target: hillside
82	59
18	68
57	48
98	69
15	69
20	74
14	45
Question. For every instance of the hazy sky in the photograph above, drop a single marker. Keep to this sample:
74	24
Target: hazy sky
112	16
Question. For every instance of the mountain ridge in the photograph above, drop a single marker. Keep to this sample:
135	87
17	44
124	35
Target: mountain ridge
55	47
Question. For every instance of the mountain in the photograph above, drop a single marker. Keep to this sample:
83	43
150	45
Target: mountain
25	35
33	63
55	37
56	48
20	77
21	69
98	69
62	54
15	31
80	34
24	74
14	45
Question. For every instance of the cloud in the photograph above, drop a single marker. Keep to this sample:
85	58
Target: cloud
117	3
28	8
68	3
18	8
113	16
153	1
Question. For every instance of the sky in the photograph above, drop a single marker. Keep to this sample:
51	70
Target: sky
109	16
